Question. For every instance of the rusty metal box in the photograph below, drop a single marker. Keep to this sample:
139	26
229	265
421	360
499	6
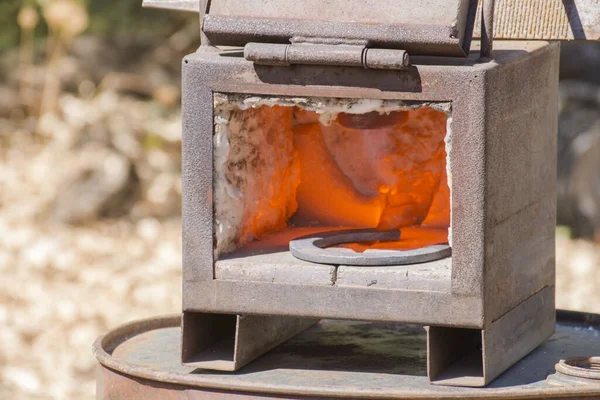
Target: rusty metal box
494	296
284	134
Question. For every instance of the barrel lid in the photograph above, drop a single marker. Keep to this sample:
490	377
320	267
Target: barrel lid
426	27
366	360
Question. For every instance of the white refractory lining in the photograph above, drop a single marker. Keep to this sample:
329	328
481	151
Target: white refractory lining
448	143
256	170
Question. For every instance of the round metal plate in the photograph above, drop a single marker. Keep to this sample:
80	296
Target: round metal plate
316	248
334	359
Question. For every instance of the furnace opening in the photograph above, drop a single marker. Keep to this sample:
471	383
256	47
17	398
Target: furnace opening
306	165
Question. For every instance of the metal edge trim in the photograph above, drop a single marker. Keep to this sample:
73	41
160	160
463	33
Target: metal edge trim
177	5
416	39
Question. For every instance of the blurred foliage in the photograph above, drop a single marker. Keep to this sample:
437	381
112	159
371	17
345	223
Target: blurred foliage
119	16
9	31
107	17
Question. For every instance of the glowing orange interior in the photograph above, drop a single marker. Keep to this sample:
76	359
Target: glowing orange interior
335	176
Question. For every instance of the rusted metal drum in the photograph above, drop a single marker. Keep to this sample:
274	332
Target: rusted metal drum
339	359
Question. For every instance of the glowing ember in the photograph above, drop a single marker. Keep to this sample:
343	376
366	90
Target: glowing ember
326	196
401	165
280	166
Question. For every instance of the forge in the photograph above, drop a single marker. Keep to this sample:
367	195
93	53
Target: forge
351	173
420	195
367	165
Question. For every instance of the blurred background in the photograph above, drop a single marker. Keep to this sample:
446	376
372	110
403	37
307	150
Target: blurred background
90	182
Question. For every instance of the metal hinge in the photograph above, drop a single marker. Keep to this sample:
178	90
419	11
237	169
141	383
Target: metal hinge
326	51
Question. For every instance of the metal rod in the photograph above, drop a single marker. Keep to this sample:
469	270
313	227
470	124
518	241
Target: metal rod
204	7
487	29
326	54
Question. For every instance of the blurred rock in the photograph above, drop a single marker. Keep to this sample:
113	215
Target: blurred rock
8	100
68	17
28	18
581	61
167	94
106	163
577	274
578	183
134	64
103	183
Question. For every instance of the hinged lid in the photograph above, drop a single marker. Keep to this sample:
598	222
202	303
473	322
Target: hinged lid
433	27
515	19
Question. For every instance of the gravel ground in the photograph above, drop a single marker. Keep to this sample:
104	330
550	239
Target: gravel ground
61	288
577	274
63	284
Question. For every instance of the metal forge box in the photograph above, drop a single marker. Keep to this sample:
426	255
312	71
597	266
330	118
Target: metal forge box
327	175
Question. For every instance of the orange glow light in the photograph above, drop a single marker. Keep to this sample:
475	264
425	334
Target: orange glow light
389	177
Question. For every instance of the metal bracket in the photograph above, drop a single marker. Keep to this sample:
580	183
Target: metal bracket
227	342
473	357
487	30
316	51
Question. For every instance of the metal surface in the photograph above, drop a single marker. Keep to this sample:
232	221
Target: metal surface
545	19
515	19
487	29
502	240
440	27
177	5
468	357
350	55
317	248
334	359
228	342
